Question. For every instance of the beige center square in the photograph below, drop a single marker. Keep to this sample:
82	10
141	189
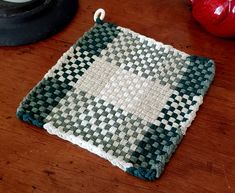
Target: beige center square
130	92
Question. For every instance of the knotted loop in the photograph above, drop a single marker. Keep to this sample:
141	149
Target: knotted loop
99	15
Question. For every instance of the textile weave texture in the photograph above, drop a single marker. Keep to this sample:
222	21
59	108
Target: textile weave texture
122	96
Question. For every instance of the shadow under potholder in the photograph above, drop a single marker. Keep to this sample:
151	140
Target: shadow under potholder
122	96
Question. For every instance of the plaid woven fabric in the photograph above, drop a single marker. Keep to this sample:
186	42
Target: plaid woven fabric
122	96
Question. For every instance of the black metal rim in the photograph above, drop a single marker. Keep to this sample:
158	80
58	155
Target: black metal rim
8	9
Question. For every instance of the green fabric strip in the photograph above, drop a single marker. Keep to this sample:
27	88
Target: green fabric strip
198	77
153	152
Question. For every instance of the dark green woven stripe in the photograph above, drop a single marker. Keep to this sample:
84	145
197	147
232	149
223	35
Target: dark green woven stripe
155	149
45	96
198	77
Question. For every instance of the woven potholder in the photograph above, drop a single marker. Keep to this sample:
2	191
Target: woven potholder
122	96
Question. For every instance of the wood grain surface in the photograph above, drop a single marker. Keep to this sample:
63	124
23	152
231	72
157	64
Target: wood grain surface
32	161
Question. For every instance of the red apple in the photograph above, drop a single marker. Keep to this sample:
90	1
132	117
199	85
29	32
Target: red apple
216	16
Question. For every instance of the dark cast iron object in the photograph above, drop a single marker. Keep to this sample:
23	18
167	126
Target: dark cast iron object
28	22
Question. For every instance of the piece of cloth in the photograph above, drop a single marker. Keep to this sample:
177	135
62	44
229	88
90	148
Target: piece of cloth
122	96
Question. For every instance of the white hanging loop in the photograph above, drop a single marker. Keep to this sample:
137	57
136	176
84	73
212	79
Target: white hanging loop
100	13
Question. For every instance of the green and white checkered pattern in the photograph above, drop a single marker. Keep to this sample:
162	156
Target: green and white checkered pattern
122	96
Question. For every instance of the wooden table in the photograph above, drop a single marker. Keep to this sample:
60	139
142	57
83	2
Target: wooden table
31	160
